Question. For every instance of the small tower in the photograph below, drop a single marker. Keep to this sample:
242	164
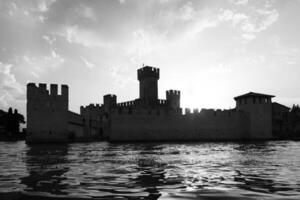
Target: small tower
258	107
109	100
173	99
148	77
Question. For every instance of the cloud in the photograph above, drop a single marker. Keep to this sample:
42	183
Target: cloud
44	5
84	37
119	74
283	54
121	1
252	20
87	63
187	12
239	2
10	89
199	26
39	65
48	39
86	12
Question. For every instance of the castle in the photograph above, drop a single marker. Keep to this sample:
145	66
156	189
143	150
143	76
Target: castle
146	118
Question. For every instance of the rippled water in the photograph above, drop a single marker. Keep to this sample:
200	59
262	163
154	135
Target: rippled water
269	170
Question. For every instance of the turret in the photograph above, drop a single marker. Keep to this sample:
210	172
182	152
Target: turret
148	77
173	99
109	101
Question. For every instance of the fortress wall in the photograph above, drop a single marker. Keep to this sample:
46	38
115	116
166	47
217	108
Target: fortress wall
193	127
91	111
76	127
92	115
139	112
84	128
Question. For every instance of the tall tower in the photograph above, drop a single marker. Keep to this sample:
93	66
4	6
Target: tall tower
148	77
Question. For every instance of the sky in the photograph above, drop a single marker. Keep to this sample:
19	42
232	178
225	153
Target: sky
210	50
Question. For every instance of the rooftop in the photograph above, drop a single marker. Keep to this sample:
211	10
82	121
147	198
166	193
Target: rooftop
253	94
283	106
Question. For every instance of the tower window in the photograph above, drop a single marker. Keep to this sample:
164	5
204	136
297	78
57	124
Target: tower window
254	100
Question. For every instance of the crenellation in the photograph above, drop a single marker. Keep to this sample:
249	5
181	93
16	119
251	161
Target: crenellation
187	111
42	90
53	89
42	86
31	85
65	91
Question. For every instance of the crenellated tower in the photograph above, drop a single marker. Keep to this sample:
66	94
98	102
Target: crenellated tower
47	113
173	99
148	77
109	100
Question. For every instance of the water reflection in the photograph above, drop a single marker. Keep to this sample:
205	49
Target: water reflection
46	165
259	169
153	171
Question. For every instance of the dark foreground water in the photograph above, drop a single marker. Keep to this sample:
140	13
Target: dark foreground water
269	170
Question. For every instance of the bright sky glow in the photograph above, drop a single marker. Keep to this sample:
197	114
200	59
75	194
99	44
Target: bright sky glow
211	50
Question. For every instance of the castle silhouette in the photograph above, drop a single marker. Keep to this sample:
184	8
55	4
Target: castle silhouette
146	118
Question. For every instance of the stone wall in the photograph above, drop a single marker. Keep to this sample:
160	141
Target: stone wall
206	125
76	127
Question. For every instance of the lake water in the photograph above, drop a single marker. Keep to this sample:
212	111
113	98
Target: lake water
266	170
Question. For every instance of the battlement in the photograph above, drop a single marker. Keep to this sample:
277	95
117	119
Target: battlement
41	88
210	112
172	92
39	97
140	112
92	106
142	102
147	72
126	104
